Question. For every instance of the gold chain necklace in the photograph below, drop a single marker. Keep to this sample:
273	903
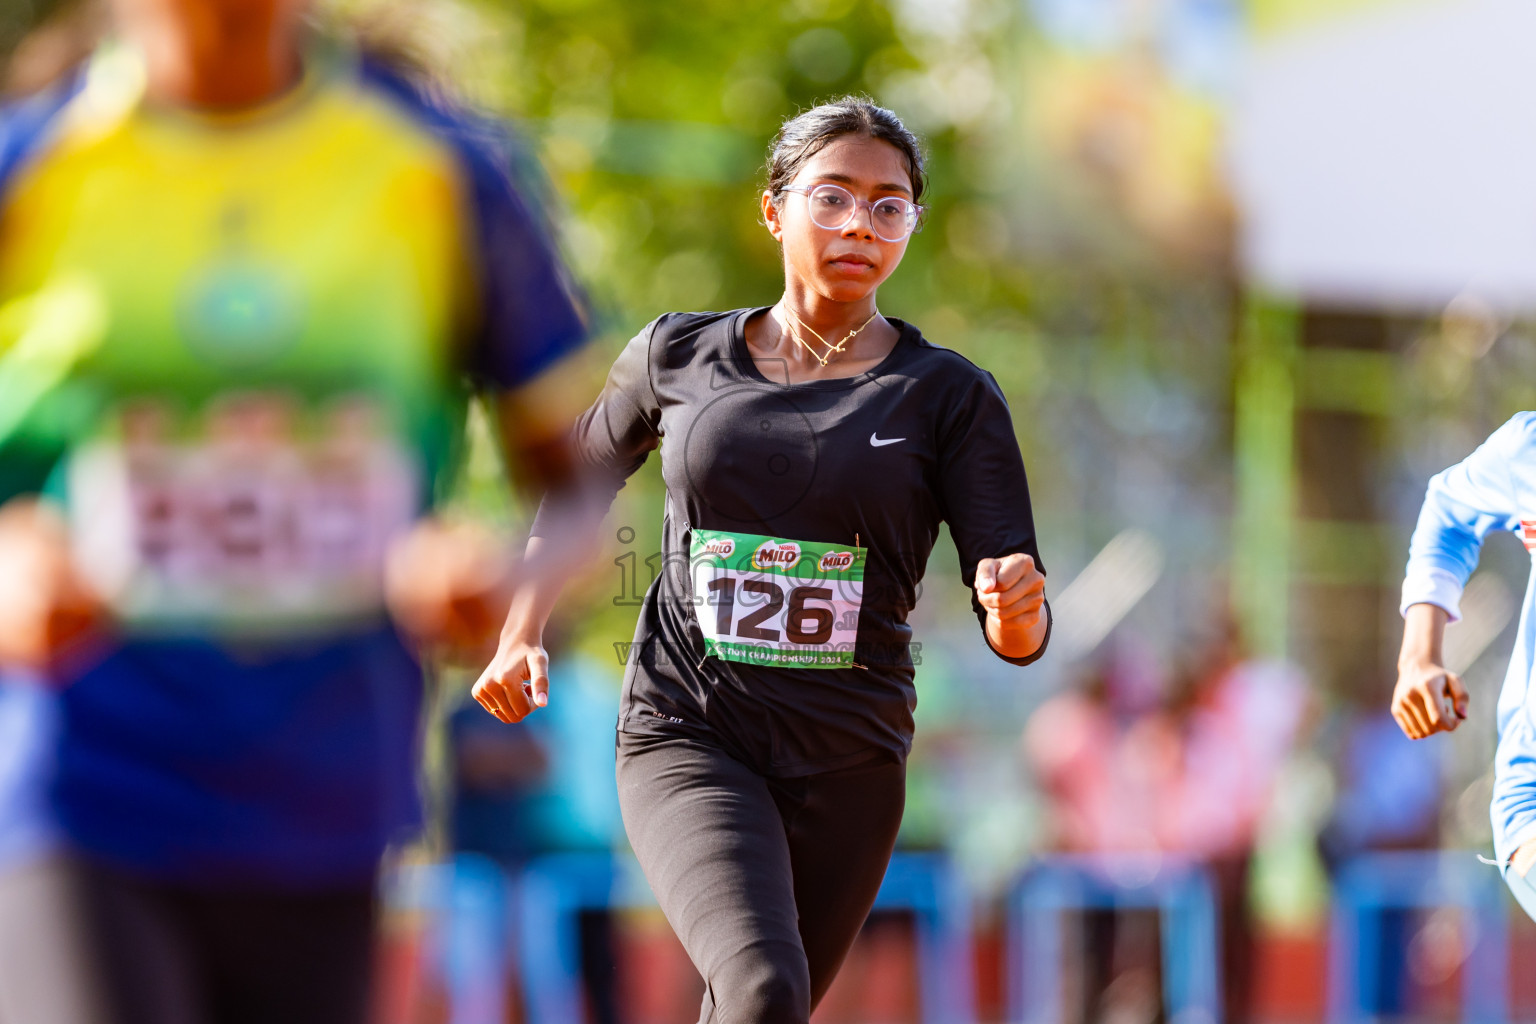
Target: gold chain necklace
794	332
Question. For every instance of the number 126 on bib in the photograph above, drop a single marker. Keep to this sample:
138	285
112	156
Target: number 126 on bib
771	601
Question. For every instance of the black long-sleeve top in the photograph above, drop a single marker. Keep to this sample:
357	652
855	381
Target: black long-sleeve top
875	461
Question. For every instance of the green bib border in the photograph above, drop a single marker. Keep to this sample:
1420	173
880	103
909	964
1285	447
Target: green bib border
807	567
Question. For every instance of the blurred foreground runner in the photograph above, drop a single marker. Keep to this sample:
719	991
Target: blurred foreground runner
1493	489
248	280
812	448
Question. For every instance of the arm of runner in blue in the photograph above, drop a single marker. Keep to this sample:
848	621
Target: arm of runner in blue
522	341
28	453
528	321
530	312
49	606
1463	505
611	440
616	433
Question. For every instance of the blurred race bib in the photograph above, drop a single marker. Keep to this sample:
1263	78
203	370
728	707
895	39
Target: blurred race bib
257	513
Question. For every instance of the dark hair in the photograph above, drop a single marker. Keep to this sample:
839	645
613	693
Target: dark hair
807	133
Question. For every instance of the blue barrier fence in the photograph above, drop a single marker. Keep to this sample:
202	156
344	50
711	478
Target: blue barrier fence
468	902
1369	885
482	924
1182	894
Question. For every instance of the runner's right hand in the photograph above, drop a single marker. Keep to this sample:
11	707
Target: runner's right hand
47	609
1428	699
516	682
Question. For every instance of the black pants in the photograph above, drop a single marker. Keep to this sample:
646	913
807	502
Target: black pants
180	955
766	881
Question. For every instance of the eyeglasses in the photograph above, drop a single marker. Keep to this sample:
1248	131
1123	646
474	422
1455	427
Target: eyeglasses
834	208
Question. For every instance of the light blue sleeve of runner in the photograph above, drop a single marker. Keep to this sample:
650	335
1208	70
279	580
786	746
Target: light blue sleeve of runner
1463	505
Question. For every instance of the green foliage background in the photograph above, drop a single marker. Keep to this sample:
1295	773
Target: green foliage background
652	120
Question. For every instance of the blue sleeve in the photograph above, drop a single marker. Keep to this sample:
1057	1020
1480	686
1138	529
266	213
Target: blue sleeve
16	141
25	124
615	436
530	312
530	316
1461	507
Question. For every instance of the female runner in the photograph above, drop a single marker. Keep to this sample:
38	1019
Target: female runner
811	451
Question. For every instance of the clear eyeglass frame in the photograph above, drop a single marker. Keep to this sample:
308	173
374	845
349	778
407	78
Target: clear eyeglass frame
823	202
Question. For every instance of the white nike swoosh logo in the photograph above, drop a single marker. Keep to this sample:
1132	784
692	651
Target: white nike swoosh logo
890	440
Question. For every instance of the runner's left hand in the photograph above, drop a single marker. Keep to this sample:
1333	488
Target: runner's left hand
1010	588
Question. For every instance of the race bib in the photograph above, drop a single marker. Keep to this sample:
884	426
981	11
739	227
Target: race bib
771	601
255	515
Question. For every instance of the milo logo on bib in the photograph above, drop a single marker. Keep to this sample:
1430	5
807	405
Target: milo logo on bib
836	561
777	602
773	555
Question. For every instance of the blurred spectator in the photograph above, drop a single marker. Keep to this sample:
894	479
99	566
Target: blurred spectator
1388	799
1237	718
1103	759
1389	792
496	769
1103	762
545	785
1191	778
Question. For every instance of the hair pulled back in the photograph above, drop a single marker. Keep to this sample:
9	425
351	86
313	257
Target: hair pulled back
808	133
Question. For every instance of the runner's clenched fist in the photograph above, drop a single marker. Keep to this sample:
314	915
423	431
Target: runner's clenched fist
1428	699
1012	590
